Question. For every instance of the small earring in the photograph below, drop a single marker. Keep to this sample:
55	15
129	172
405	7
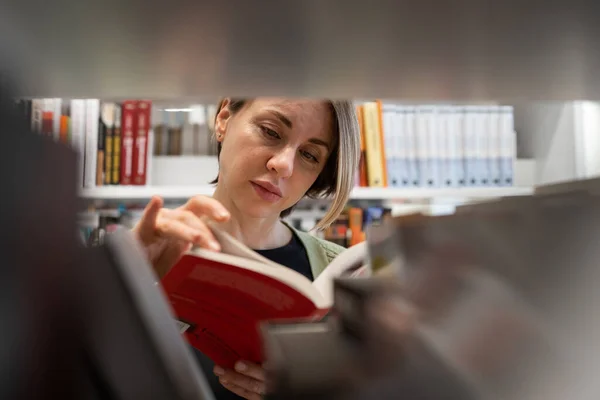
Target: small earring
219	136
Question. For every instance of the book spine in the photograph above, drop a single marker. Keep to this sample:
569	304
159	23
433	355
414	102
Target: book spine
56	122
37	108
388	133
128	126
373	145
412	145
64	129
100	152
140	146
382	157
78	135
422	135
92	117
494	146
116	164
363	179
108	115
355	225
47	117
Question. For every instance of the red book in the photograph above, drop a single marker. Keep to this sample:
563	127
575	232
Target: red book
128	127
140	142
221	299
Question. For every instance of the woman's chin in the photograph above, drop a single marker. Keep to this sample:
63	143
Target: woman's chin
260	210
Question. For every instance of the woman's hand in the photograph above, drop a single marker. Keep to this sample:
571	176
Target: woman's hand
166	234
247	380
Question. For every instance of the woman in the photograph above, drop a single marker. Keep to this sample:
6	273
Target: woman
272	153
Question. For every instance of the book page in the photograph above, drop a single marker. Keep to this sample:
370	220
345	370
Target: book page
232	246
349	263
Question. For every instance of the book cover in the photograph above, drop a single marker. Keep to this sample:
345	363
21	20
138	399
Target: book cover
92	117
221	299
128	126
47	117
56	121
508	146
374	144
100	150
412	146
116	152
77	110
389	132
363	179
140	142
37	109
108	120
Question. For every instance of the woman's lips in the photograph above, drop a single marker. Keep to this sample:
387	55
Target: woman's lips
266	191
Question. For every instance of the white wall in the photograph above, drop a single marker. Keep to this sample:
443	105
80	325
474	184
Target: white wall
587	138
546	132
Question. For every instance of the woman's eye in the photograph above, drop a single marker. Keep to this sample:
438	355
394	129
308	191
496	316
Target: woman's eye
309	156
270	132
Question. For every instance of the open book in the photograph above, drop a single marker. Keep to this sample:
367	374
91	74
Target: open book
220	299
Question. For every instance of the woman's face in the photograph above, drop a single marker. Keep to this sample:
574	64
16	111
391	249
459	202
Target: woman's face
272	151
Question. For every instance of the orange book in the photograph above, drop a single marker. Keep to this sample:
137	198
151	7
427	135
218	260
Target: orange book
64	129
381	140
374	144
362	166
355	224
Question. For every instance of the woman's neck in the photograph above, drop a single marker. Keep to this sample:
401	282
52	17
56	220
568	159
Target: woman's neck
256	233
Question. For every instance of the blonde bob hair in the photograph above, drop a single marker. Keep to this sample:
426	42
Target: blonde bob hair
337	178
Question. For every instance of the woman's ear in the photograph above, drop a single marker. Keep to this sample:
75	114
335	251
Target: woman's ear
221	120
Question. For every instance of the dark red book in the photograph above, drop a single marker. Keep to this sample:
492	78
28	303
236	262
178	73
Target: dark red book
140	142
128	127
221	299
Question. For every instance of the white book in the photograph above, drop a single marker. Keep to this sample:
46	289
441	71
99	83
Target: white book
92	116
482	145
470	145
434	153
401	145
508	146
412	145
422	135
494	159
395	148
388	133
37	107
458	147
56	113
78	136
443	147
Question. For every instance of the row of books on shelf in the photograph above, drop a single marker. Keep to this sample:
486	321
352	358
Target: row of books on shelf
111	138
116	140
436	145
186	131
402	146
349	228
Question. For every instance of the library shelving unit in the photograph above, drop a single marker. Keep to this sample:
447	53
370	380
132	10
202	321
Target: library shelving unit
359	193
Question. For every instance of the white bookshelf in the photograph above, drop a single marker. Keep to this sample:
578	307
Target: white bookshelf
366	193
144	192
184	192
182	177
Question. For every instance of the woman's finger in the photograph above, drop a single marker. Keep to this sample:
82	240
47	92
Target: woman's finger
240	391
244	381
172	228
206	238
147	223
207	206
250	369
